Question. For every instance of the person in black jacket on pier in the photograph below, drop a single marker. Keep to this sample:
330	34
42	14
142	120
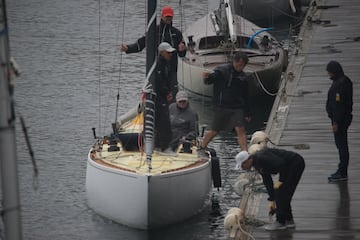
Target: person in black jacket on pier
165	32
290	166
339	109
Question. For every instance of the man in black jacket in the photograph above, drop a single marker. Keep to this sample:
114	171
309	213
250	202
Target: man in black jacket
339	109
290	166
230	99
165	32
163	133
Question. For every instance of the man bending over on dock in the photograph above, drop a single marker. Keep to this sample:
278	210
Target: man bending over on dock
290	166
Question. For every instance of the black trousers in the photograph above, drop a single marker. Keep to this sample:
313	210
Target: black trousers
284	194
341	142
163	133
174	85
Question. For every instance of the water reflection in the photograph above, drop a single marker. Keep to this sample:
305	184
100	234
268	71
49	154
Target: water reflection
342	222
283	235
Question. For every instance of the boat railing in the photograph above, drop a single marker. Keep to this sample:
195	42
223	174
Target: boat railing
214	42
217	51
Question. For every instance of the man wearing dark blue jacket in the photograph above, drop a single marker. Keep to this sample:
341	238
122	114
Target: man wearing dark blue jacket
163	133
339	109
290	166
230	99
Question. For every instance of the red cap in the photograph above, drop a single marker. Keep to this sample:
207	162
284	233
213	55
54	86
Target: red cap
167	12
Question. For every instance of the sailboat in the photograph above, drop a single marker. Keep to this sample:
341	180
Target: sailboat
215	38
256	10
129	183
8	163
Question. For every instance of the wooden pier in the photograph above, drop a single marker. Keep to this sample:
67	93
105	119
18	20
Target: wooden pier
298	122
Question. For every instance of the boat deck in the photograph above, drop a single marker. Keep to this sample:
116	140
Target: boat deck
135	161
298	122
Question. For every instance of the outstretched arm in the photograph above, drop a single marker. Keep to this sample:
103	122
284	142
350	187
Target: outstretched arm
138	46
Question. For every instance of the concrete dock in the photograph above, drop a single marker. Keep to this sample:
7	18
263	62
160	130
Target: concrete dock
298	122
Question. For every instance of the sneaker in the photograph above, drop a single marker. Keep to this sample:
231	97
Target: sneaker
290	224
275	226
157	150
337	178
203	153
168	152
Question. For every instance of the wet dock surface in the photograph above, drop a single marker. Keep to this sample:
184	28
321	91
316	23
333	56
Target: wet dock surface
299	122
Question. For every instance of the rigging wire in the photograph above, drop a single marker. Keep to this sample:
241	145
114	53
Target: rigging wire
285	13
104	114
99	62
182	20
120	66
31	153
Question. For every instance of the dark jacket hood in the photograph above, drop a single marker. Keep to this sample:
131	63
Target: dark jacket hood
335	68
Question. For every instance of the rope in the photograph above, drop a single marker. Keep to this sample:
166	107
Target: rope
246	233
262	86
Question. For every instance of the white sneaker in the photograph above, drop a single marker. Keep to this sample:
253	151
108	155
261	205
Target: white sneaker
157	150
290	224
275	226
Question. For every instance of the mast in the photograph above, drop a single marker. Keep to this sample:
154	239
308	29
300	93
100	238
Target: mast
8	164
151	51
230	21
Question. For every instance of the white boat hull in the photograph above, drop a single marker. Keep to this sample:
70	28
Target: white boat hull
147	201
262	81
265	65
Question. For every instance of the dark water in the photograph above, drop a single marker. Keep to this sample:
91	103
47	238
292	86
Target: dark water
57	44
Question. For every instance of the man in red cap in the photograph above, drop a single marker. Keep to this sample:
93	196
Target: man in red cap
166	32
167	12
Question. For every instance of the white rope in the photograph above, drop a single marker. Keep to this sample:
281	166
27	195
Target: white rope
246	233
262	86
